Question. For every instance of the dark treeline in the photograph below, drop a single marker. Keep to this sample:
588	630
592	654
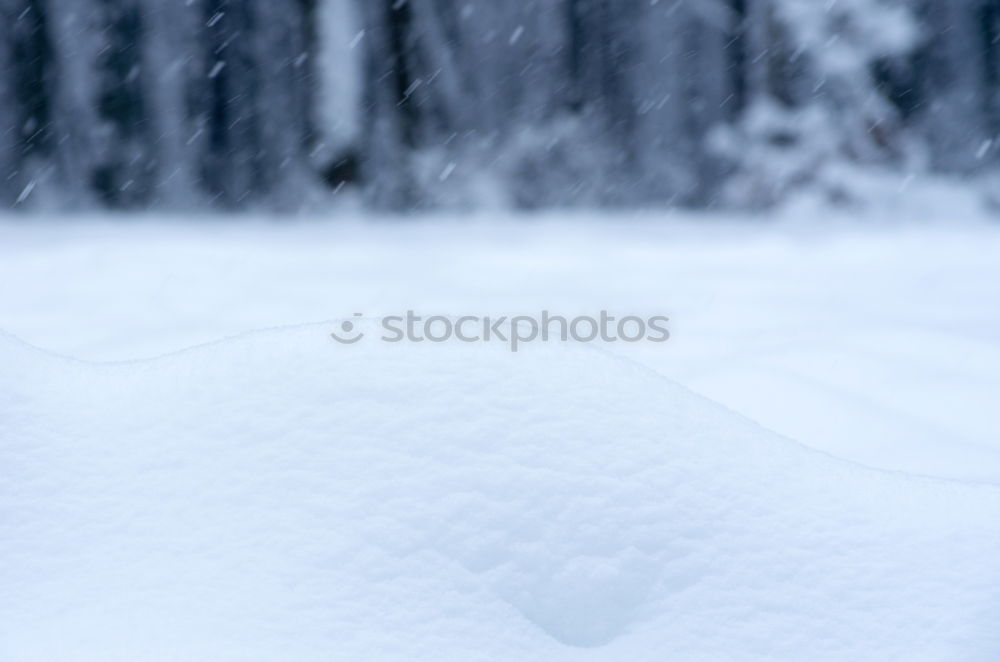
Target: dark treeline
157	103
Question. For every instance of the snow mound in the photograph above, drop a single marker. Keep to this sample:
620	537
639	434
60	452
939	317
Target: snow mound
282	497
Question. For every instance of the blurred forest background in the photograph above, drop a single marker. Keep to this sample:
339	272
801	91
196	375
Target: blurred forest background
407	104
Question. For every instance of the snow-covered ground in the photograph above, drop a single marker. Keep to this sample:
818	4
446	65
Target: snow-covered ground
876	344
278	495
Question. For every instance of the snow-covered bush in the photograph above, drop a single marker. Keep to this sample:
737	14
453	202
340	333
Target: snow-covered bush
805	130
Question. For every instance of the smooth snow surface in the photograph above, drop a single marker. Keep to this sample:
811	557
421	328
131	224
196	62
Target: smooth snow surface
282	497
169	496
876	344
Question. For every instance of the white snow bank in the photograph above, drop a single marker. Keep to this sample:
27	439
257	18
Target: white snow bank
872	342
283	497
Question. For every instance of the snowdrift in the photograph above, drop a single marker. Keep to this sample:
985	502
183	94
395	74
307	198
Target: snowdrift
282	497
